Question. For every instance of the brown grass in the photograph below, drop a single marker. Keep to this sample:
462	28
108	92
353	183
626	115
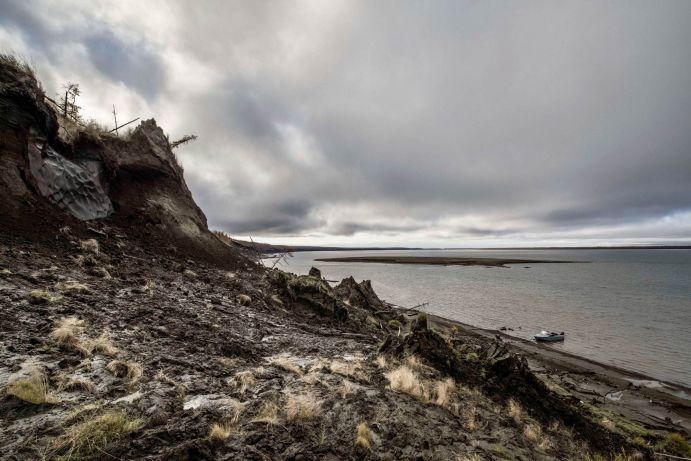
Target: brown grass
43	297
131	371
363	436
67	333
352	369
221	431
302	407
71	286
445	392
93	435
346	389
79	384
243	380
403	379
89	246
34	389
103	345
268	413
286	363
515	410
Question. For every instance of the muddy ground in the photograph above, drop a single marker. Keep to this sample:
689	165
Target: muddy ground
197	330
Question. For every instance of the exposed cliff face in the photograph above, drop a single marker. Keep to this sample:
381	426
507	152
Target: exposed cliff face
50	178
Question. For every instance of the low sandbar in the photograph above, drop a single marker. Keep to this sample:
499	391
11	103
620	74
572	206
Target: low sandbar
439	261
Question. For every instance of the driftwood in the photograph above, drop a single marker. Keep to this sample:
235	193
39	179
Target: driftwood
124	124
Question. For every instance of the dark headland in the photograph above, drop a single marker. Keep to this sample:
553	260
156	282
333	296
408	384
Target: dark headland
439	260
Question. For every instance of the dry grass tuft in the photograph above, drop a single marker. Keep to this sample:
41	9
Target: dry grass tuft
243	380
403	379
33	389
302	407
268	413
43	297
608	423
89	246
190	274
351	369
221	431
469	415
103	345
93	435
286	363
131	371
79	384
381	361
66	334
473	457
445	392
363	436
312	378
71	286
244	299
515	411
534	434
346	389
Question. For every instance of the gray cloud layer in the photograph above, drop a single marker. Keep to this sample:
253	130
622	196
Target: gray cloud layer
416	122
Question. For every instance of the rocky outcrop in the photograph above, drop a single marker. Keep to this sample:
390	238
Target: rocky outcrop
360	294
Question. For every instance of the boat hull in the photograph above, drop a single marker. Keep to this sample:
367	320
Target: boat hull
549	339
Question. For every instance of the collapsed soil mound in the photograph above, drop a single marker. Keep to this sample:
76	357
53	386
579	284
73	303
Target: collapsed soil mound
56	173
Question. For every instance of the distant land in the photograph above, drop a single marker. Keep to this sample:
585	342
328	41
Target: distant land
438	261
270	248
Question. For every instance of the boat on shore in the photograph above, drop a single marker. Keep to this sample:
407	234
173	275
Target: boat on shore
548	337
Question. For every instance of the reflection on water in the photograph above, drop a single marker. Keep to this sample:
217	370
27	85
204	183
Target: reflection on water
629	308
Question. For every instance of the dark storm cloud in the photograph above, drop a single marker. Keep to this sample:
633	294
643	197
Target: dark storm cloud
445	119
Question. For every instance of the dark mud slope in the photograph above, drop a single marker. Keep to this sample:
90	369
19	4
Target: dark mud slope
170	359
55	173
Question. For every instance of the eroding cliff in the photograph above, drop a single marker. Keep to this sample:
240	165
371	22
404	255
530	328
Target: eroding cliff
54	172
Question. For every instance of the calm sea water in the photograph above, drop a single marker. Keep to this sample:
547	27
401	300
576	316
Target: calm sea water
629	308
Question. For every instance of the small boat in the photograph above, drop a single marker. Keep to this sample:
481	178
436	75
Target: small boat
545	336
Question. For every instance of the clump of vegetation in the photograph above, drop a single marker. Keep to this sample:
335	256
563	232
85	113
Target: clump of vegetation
533	433
103	345
243	380
285	362
93	435
131	371
393	323
403	379
221	431
89	246
33	389
268	413
346	389
67	333
5	272
244	299
351	369
515	410
79	383
190	274
675	444
363	436
71	286
302	407
43	297
445	391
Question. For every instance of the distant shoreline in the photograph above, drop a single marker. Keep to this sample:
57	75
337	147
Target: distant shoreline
438	261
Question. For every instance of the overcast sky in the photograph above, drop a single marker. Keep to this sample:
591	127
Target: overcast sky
435	123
